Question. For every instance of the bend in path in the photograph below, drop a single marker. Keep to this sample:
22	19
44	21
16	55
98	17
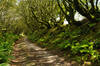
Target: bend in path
29	54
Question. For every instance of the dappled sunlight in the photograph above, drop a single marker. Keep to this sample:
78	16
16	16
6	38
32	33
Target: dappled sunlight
38	55
65	22
78	17
49	32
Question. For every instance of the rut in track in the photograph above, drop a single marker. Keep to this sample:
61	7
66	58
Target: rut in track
29	54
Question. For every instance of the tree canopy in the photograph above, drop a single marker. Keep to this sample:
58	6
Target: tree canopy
43	21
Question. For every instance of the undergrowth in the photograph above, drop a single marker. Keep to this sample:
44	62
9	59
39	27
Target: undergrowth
75	40
6	43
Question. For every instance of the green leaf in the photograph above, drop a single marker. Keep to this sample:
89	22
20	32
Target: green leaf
84	50
67	45
91	43
85	45
91	25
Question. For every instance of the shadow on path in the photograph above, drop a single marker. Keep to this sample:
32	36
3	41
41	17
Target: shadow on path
28	54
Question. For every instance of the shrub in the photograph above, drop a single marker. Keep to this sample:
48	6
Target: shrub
6	43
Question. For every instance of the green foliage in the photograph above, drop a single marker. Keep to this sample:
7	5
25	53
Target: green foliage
91	25
81	38
71	40
37	19
6	43
36	35
4	64
86	50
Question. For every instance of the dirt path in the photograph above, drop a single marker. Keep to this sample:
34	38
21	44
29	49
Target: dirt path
28	54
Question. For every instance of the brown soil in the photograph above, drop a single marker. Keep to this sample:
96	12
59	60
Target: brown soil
29	54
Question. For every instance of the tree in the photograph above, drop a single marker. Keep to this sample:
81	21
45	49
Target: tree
88	8
39	14
5	7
